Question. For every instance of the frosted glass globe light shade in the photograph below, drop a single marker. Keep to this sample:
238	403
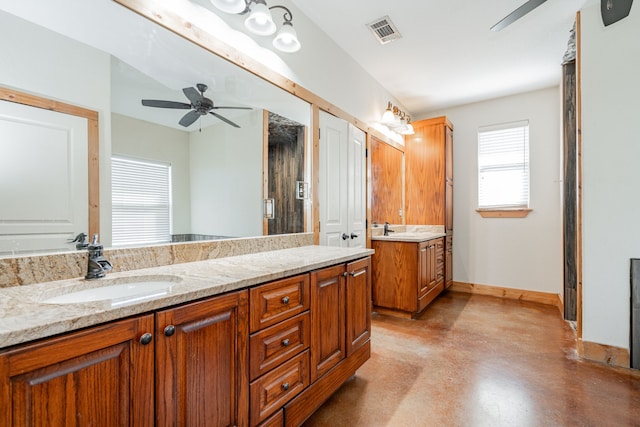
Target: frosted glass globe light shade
260	21
230	6
287	39
388	116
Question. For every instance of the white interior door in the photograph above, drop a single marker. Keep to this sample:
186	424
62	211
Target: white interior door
357	184
44	205
343	177
333	189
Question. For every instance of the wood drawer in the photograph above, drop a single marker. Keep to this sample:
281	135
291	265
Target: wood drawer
277	301
278	343
271	391
275	420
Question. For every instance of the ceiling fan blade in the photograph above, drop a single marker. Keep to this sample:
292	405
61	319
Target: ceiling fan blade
189	118
165	104
192	93
231	108
517	14
224	119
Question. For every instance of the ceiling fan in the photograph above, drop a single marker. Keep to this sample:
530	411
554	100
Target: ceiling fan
612	11
199	106
517	14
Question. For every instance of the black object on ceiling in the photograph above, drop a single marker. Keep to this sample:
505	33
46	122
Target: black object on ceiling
199	106
614	10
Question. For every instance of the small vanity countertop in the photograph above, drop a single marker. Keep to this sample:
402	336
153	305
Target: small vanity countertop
409	233
23	318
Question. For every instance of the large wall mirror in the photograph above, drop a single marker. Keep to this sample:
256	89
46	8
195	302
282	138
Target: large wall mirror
221	168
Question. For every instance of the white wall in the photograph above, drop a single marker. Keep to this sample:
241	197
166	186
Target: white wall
611	172
522	253
149	141
226	178
44	63
321	66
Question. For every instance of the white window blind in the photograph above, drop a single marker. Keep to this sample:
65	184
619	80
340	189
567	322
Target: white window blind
503	166
141	201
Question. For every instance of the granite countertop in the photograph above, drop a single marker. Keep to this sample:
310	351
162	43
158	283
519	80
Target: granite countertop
416	236
409	233
23	317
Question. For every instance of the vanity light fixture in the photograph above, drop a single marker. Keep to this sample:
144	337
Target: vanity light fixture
396	120
260	22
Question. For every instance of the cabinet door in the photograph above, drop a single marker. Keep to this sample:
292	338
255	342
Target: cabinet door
358	304
327	319
424	266
425	174
201	363
448	261
432	269
102	376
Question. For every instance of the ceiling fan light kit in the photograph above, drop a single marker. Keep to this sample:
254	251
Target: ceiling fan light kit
260	22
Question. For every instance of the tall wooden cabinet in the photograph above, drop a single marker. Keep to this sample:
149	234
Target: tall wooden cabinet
429	180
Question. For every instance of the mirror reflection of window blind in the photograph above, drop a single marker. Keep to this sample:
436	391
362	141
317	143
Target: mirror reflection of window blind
141	201
503	166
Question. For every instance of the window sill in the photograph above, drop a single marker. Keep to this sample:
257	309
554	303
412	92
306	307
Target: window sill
503	213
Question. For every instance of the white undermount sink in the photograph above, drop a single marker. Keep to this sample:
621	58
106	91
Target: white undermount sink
117	291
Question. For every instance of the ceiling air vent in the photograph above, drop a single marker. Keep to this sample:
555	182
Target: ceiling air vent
384	30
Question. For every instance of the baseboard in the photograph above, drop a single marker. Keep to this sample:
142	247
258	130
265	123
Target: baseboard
509	293
609	355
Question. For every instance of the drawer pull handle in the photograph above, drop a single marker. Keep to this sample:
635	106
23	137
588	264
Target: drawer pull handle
285	386
146	338
285	300
285	343
169	330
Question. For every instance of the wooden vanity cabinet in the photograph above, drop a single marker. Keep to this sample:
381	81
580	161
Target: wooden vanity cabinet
279	344
236	359
101	376
340	333
186	365
407	276
202	363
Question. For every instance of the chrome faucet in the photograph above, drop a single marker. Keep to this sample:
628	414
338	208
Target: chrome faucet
98	264
387	230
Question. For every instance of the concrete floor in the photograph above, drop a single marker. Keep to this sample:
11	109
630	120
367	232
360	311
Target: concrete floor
481	361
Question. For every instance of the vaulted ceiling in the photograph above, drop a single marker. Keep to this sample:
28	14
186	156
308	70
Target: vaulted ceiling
447	54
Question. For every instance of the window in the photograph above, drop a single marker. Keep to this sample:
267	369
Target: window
141	201
503	166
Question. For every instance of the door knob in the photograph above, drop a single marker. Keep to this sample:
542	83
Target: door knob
354	235
345	236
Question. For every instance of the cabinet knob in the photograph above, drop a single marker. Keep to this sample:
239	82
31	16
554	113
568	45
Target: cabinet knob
345	274
146	338
345	236
352	273
169	330
285	386
285	343
285	300
354	236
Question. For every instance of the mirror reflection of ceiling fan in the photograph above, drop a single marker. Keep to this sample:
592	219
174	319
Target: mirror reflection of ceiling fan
199	106
612	11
